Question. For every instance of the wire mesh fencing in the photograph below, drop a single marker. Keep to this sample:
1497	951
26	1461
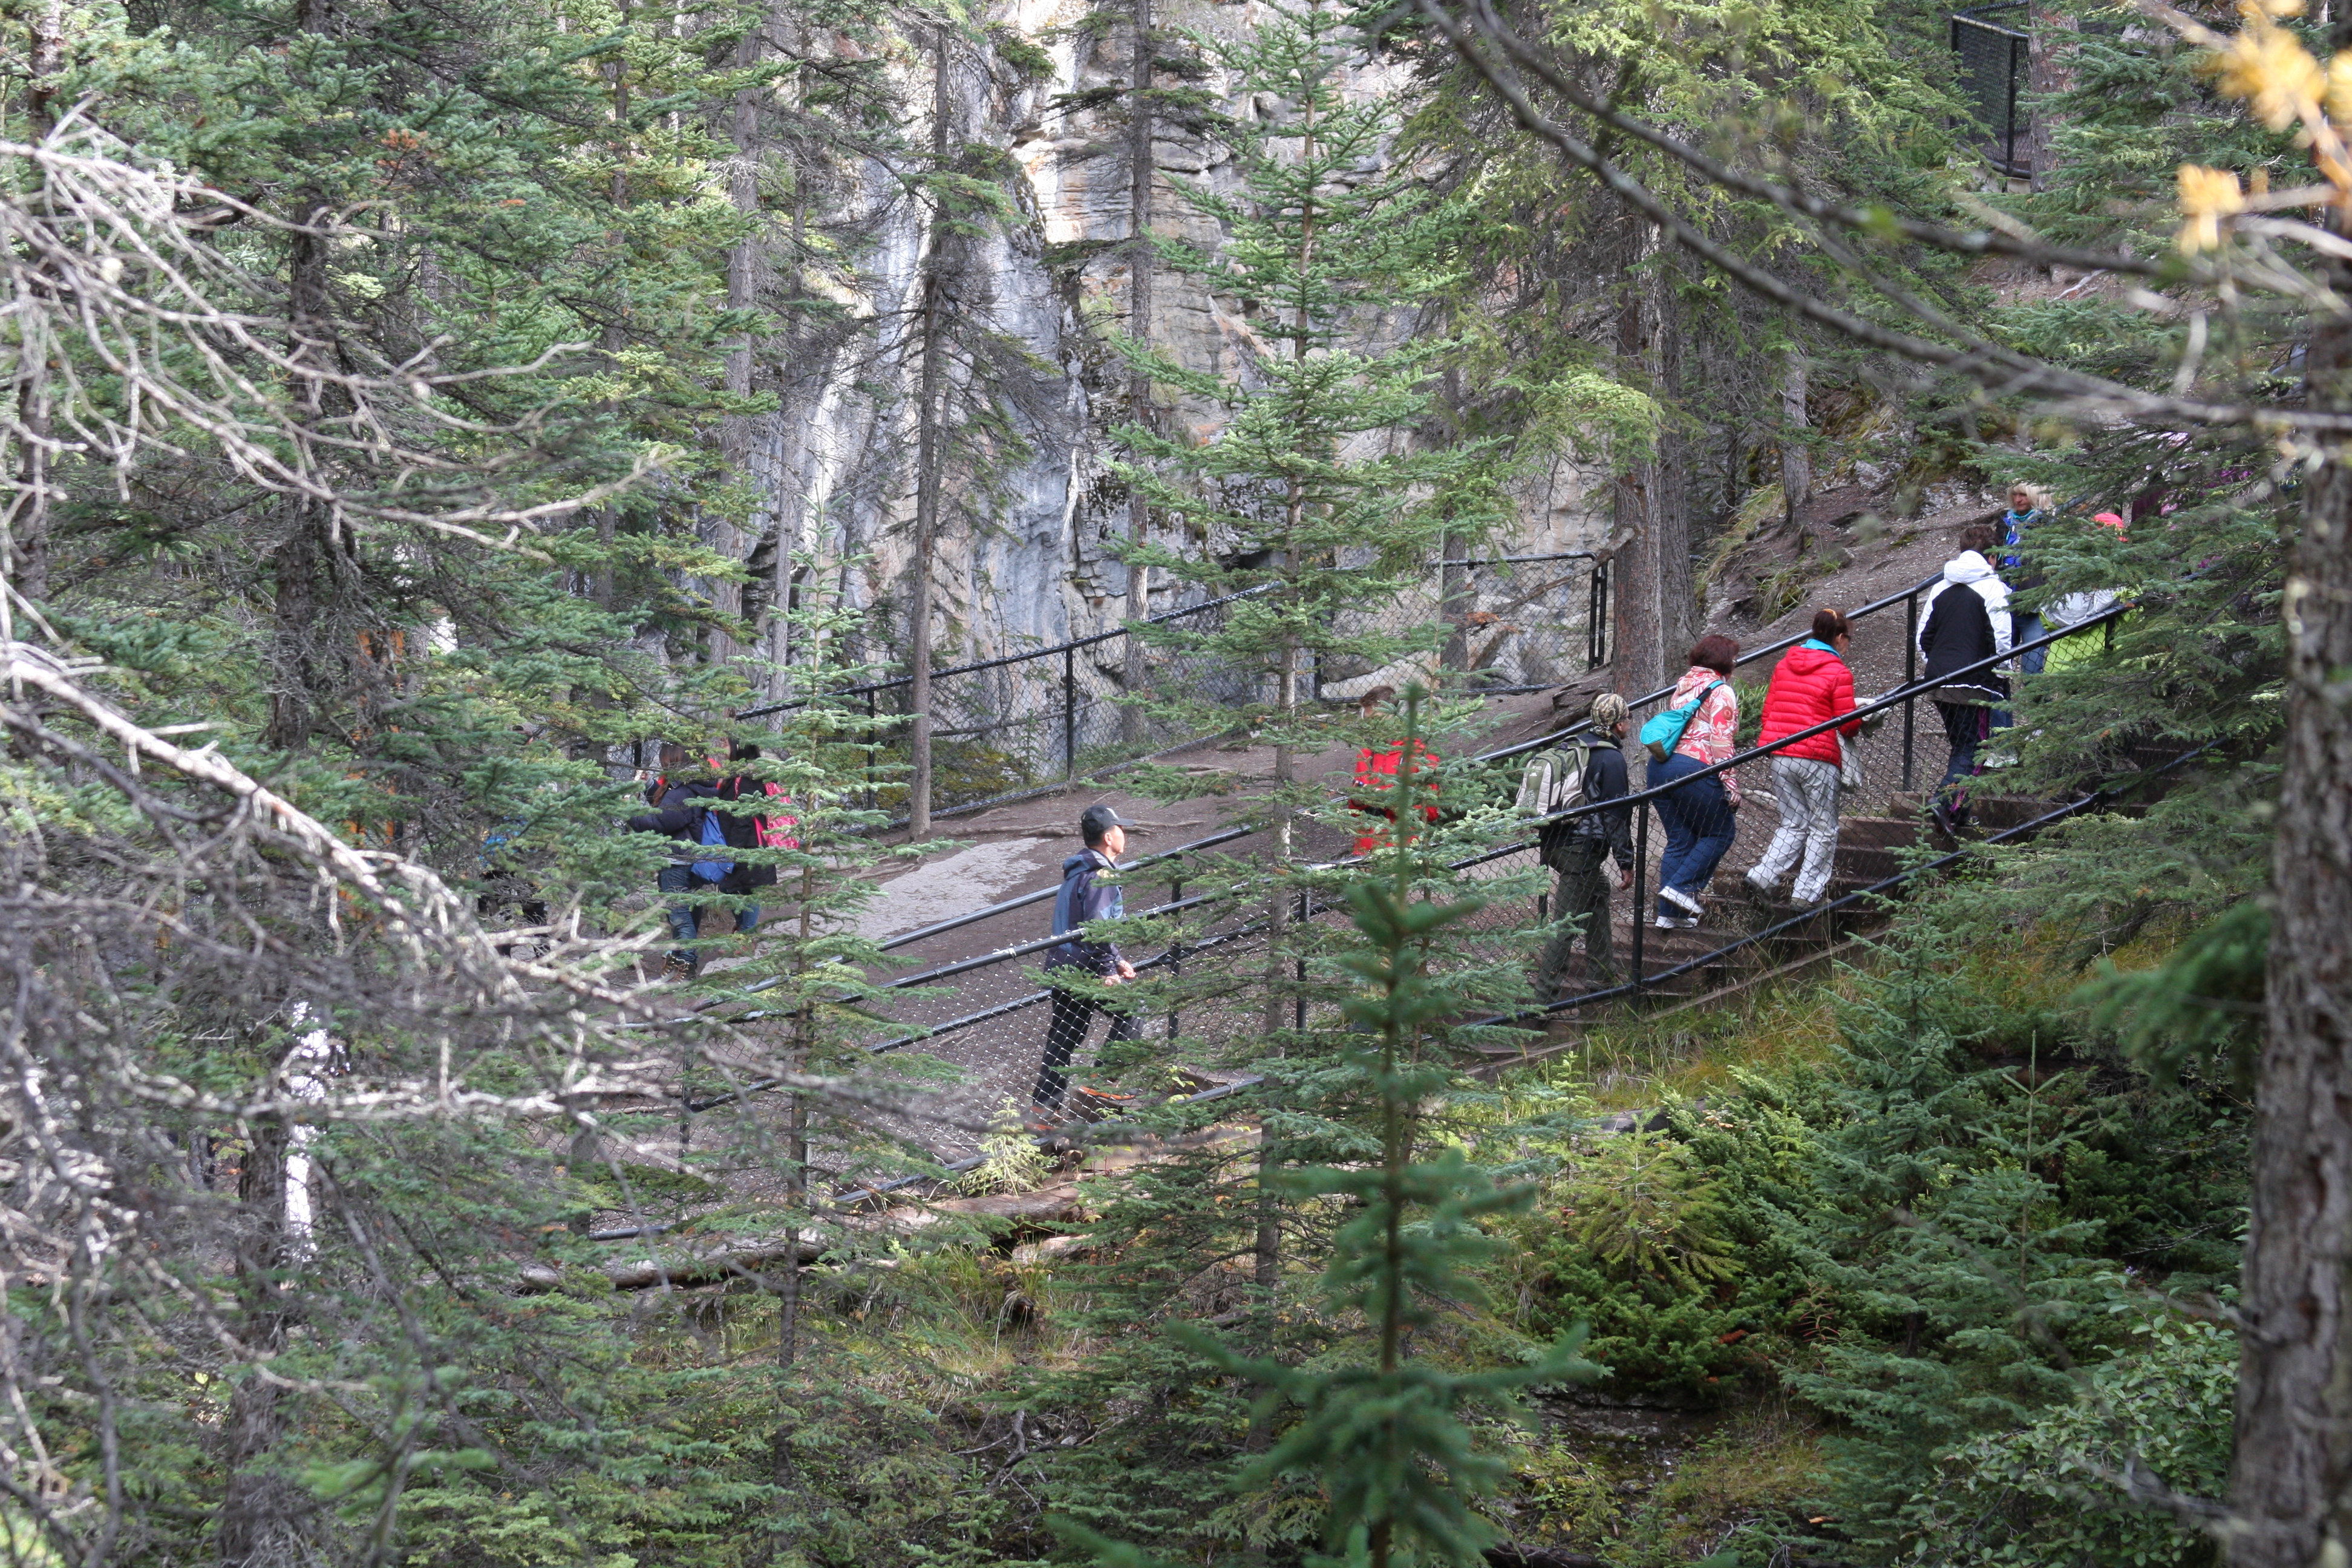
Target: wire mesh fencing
1993	60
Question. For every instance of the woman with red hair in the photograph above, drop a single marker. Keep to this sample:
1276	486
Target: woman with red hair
1698	815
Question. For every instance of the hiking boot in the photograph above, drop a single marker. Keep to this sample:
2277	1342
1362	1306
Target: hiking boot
678	968
1947	822
1761	894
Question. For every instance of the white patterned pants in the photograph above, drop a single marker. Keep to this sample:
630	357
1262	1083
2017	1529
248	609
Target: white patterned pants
1808	793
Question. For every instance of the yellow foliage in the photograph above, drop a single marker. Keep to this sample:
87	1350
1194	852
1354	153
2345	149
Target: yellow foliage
2207	196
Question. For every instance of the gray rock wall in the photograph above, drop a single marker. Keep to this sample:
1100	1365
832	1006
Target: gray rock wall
1021	560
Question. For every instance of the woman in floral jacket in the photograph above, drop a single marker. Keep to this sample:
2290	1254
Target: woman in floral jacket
1699	817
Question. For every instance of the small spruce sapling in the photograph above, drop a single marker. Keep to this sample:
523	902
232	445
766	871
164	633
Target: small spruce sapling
1387	1437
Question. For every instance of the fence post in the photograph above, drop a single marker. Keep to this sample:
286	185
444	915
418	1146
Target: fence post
1641	886
1596	633
1176	947
872	713
1910	674
1070	713
1299	1018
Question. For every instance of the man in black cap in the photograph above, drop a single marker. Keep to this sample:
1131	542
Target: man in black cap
1082	899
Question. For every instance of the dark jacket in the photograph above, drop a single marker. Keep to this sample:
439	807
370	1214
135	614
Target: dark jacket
1082	899
1605	779
1966	620
683	807
2017	565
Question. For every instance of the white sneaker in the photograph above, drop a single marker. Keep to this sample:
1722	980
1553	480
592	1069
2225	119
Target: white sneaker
1682	901
1677	923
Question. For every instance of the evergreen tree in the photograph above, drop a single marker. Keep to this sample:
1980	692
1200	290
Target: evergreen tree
1386	1437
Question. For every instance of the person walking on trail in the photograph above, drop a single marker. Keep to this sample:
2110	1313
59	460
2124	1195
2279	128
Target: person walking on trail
1701	815
1811	685
1583	772
691	814
1376	772
2029	510
1078	962
1964	621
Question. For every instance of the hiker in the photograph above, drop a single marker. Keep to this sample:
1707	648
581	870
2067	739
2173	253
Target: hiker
1376	772
1964	621
1585	771
1811	685
690	814
2073	609
1693	733
2029	509
1078	959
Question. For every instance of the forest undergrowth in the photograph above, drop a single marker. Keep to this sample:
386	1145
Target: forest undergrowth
1896	1255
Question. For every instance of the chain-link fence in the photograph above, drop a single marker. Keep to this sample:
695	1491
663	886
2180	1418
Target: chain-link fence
1993	60
1003	727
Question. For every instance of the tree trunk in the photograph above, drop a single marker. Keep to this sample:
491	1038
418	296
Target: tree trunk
791	513
1139	327
1652	569
2294	1459
926	466
261	1512
735	431
2049	70
29	512
1796	457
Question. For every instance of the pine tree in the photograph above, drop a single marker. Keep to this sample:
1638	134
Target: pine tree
1386	1437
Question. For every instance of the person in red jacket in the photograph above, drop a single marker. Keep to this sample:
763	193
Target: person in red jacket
1811	686
1376	773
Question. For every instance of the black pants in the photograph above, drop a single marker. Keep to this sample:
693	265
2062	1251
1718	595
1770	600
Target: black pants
1583	896
1073	1015
1965	726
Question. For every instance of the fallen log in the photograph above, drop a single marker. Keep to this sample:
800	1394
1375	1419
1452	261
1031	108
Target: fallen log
745	1258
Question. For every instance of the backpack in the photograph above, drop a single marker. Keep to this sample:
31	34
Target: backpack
714	831
1664	733
1554	781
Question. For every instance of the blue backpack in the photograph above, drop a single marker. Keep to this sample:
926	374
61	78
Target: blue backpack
713	831
1664	733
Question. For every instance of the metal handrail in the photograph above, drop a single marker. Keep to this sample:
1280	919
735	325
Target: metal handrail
1119	631
1585	725
1230	835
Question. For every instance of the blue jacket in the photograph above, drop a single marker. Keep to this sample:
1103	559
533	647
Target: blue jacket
1081	900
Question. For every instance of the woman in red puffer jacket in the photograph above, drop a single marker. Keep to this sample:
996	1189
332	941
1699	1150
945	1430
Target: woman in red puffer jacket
1811	685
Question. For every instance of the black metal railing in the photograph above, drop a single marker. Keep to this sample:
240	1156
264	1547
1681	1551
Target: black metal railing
985	1011
1027	723
1993	60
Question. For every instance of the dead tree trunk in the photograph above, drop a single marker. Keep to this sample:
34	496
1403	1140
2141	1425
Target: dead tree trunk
2291	1486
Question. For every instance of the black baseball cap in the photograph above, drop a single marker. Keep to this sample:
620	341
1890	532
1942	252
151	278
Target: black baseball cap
1098	820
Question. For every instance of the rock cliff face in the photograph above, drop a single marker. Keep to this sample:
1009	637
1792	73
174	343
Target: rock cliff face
1021	560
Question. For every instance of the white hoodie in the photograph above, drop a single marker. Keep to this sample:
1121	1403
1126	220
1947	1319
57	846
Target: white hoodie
1970	569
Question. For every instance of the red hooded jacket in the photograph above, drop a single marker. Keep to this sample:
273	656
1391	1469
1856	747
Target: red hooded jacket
1811	684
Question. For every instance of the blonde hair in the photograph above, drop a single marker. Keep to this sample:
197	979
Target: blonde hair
2034	492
